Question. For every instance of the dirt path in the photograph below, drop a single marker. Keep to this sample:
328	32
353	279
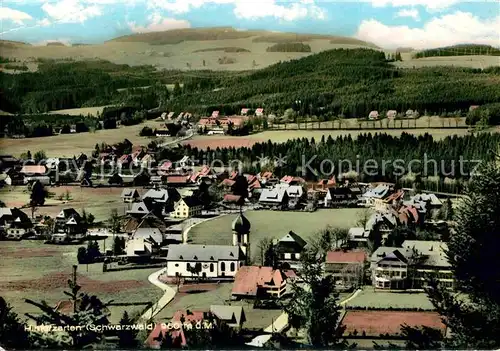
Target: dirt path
168	295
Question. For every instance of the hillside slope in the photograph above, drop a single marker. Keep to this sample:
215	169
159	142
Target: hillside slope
189	49
348	82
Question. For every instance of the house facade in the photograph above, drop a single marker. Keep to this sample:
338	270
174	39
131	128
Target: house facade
346	267
288	249
257	281
409	266
217	261
187	207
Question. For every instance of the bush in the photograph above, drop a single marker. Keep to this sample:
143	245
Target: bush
146	131
289	47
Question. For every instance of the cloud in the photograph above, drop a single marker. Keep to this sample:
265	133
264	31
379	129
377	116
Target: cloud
18	17
44	22
71	11
248	9
159	23
412	13
457	28
269	8
431	5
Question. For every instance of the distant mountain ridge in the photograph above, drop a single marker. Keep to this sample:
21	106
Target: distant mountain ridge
176	36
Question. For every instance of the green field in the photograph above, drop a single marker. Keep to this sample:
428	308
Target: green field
273	224
68	145
98	201
380	299
31	269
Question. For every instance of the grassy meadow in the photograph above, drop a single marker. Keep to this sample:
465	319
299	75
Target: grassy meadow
273	224
98	201
32	269
68	145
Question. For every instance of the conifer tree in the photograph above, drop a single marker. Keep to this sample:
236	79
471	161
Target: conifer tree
473	319
13	334
314	304
87	310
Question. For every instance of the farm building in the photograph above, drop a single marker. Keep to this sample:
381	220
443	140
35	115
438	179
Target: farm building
257	281
373	115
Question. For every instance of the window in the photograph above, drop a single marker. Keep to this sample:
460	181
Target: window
232	267
177	265
223	266
211	267
288	256
188	266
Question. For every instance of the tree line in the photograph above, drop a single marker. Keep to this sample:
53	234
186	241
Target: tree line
460	50
379	148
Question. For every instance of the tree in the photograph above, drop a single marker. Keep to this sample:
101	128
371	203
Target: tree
114	221
314	306
13	334
268	255
87	310
195	269
39	156
127	336
177	89
38	194
240	186
118	246
363	217
472	252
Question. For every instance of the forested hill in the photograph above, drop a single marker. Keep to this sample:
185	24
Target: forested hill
460	50
348	82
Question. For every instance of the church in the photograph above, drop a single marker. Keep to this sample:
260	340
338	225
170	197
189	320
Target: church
212	261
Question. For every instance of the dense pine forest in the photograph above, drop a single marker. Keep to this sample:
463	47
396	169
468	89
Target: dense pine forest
289	47
377	147
343	82
460	50
348	83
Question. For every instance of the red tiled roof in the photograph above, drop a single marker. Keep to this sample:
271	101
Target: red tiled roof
233	175
374	323
286	179
165	166
413	212
345	257
205	171
123	158
228	182
35	169
177	335
232	198
255	185
266	175
178	179
250	278
290	273
395	196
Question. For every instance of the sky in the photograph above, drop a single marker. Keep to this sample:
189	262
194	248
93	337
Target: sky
387	23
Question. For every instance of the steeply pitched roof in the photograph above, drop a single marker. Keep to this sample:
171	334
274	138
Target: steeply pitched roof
139	208
203	253
249	278
34	169
275	194
232	315
192	201
158	195
129	192
148	233
345	257
292	237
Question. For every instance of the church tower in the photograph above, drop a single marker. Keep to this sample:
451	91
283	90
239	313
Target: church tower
241	233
